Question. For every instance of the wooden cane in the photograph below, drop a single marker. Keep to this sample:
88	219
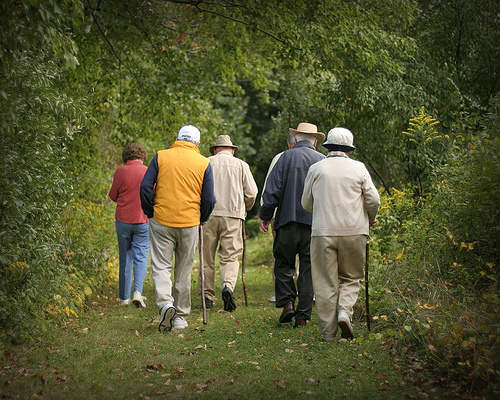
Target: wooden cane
202	276
243	273
367	296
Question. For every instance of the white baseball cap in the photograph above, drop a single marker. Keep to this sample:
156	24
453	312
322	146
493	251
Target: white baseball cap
189	133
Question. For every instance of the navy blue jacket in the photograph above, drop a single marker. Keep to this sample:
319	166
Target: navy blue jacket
285	185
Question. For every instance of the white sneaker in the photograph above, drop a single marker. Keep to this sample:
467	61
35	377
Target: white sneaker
179	323
139	300
125	302
345	325
167	314
272	299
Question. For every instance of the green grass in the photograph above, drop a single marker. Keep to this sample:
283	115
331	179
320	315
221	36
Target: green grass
116	352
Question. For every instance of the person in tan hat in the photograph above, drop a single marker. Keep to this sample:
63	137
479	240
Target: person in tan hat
344	203
236	191
292	224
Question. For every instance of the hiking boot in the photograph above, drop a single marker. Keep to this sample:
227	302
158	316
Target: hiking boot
227	296
179	323
167	314
139	300
345	326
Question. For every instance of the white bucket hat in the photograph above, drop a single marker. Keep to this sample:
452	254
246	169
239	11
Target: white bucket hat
189	133
339	139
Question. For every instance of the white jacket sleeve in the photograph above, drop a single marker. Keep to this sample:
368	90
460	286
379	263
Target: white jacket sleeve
307	195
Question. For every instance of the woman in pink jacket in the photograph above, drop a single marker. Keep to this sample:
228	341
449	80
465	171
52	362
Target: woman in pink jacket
132	226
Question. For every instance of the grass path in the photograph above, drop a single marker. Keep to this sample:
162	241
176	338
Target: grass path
116	352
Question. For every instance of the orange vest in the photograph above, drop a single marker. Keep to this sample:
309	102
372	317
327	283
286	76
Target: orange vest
181	170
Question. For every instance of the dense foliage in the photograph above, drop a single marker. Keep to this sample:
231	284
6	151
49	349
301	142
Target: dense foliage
416	81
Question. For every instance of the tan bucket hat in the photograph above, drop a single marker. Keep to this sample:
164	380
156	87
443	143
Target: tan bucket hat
308	129
222	141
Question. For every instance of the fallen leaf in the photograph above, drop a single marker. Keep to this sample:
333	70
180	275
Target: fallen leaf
178	371
288	351
155	367
200	387
280	383
136	333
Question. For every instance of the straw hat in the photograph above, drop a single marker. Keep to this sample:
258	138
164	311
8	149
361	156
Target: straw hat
222	141
308	129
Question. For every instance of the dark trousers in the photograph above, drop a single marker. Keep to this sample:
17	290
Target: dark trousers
292	239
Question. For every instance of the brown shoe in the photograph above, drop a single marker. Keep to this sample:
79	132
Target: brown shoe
287	313
300	323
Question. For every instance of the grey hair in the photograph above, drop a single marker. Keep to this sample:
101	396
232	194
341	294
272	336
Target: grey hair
290	139
303	136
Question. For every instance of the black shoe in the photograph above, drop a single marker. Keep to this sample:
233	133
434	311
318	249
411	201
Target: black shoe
227	296
209	304
288	313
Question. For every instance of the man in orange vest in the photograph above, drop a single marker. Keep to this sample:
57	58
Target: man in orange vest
177	194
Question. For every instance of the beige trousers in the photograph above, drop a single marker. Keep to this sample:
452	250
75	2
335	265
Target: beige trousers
337	269
165	243
226	234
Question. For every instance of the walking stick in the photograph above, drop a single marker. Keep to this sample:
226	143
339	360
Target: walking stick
367	296
245	290
202	276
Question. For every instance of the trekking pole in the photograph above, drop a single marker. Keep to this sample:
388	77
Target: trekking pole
202	276
244	233
367	296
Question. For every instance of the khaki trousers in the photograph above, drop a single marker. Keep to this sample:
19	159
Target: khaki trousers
165	242
337	269
226	234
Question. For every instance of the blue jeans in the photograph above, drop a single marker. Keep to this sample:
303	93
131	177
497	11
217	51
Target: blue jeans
133	246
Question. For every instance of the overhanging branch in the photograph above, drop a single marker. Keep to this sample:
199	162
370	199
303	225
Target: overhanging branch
197	4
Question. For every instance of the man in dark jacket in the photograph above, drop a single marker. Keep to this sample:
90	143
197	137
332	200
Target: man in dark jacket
283	191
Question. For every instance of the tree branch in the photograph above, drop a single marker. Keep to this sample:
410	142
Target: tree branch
197	4
113	51
387	188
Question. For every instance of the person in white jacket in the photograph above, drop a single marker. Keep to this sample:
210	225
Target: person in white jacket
344	202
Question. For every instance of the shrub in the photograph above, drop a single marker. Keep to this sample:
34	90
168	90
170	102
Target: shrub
434	283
